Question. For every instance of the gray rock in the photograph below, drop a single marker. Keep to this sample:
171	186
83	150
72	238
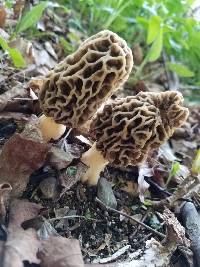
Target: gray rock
48	187
105	193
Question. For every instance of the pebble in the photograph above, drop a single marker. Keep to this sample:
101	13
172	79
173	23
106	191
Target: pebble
48	187
105	193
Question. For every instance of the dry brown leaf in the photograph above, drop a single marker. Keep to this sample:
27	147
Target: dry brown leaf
18	7
71	175
60	159
2	16
17	117
22	210
175	231
20	245
43	59
19	99
36	84
60	252
21	155
16	91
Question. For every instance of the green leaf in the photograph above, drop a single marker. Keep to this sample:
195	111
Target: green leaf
196	163
180	69
72	171
30	18
174	169
15	55
3	44
153	28
156	47
66	45
17	58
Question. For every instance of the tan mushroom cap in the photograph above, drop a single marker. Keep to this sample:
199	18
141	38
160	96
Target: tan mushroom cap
128	128
76	87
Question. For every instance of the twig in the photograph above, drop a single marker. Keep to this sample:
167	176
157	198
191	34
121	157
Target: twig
130	217
73	217
138	228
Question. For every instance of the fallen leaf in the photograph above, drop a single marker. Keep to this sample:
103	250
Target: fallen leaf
144	170
60	252
21	155
2	16
35	84
60	159
175	231
18	7
50	50
21	245
42	58
46	230
71	175
17	117
22	210
166	151
16	91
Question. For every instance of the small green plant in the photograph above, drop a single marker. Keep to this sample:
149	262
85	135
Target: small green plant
174	169
196	164
157	25
15	55
30	18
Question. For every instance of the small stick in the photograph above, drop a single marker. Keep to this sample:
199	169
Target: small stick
73	217
131	218
138	228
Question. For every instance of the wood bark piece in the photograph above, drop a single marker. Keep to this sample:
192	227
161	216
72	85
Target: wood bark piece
191	221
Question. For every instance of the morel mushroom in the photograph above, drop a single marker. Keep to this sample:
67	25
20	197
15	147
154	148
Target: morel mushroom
76	87
127	129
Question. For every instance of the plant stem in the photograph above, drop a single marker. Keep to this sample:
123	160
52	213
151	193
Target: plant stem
115	15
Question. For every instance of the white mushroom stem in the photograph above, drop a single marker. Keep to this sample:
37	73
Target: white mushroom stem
96	163
50	129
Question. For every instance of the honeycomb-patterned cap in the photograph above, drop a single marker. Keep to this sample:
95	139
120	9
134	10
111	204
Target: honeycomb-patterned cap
76	87
128	128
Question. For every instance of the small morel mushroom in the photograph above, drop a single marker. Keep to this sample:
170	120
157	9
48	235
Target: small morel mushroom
76	87
127	129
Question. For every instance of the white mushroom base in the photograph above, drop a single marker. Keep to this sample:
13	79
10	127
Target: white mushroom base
50	129
96	163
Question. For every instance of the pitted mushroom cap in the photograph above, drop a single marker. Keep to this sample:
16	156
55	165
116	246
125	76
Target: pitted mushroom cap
76	87
128	128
